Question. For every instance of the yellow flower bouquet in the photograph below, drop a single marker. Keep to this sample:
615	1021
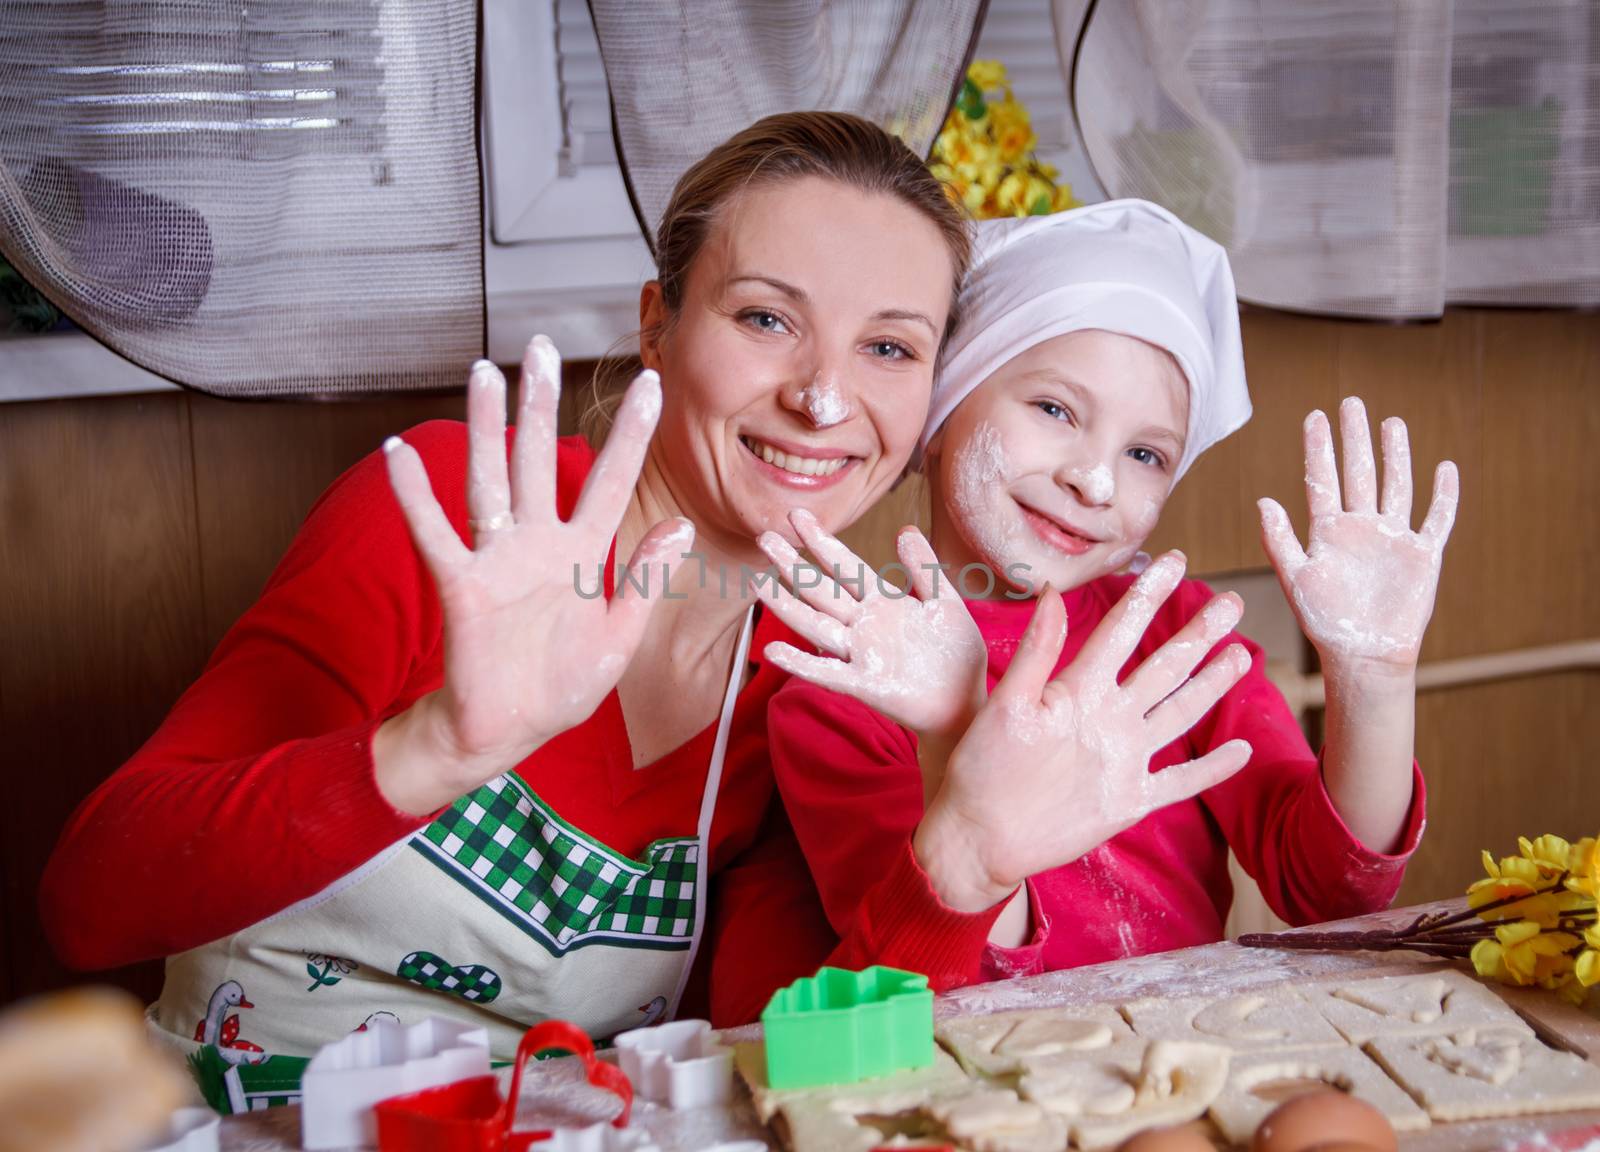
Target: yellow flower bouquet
1530	921
984	154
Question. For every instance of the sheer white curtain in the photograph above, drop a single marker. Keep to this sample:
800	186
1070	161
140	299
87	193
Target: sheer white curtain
1376	158
277	197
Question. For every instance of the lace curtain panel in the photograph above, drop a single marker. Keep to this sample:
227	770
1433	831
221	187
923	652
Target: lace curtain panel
1380	158
686	75
273	198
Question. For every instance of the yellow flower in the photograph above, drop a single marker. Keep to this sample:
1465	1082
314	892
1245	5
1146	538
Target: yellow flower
1488	959
1574	992
1533	956
987	74
1587	967
1548	853
1013	134
1512	876
1584	864
1064	199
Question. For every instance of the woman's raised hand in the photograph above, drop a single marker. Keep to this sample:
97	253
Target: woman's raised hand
918	659
1363	587
525	655
1054	766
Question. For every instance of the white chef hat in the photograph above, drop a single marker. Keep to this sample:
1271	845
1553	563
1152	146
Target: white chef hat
1125	266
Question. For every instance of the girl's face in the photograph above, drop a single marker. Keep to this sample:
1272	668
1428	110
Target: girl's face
798	371
1055	469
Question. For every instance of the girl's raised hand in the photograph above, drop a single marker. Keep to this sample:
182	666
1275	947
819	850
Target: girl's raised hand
525	656
916	658
1363	587
1054	766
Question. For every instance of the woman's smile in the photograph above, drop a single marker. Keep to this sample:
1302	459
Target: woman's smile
798	466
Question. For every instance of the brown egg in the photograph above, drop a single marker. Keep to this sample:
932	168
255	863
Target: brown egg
1181	1139
1321	1119
1341	1146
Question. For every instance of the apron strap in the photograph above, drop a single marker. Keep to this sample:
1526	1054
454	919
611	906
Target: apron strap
708	805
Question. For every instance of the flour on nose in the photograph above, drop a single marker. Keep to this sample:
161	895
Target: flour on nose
1095	483
824	403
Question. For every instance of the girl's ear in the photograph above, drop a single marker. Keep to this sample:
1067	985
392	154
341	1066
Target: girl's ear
652	322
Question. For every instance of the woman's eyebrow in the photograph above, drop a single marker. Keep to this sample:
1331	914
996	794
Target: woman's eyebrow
796	294
799	296
906	314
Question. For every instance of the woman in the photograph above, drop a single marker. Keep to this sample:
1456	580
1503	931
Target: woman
432	771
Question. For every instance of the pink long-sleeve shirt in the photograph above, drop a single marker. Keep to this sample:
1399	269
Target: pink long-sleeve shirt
853	791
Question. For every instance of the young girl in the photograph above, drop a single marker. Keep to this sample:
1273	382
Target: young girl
1083	778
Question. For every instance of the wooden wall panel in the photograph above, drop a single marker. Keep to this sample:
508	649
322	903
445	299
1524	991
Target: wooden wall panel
1503	760
99	607
1538	555
259	467
1292	365
1431	375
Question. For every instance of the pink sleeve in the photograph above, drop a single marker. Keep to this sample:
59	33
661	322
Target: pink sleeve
258	788
853	791
1027	958
1276	814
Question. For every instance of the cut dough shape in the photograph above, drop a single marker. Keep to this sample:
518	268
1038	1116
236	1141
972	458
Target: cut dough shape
1275	1018
1238	1111
1494	1059
827	1118
1468	1076
1431	1004
1084	1087
1106	1101
889	1094
1000	1044
995	1120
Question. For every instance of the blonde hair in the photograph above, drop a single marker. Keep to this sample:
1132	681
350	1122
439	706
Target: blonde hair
789	146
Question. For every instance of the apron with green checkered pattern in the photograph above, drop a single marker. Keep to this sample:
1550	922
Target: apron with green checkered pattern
499	913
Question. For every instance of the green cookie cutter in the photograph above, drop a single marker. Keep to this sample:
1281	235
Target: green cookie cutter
840	1026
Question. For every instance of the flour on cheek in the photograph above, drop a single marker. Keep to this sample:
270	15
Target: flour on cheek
980	471
1144	523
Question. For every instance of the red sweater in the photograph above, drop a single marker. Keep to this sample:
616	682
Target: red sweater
852	788
257	791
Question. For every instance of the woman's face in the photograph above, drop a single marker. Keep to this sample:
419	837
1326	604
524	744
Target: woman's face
799	368
1057	466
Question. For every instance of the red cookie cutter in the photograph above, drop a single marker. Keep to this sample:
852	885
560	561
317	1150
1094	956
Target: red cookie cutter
470	1116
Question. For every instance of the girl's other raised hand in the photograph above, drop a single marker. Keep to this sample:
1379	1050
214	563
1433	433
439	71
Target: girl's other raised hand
1363	586
525	656
1054	766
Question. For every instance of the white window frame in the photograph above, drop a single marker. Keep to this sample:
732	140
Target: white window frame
563	254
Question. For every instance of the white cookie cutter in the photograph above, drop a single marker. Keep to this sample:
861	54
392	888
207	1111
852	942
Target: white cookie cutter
346	1078
189	1130
601	1137
680	1064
